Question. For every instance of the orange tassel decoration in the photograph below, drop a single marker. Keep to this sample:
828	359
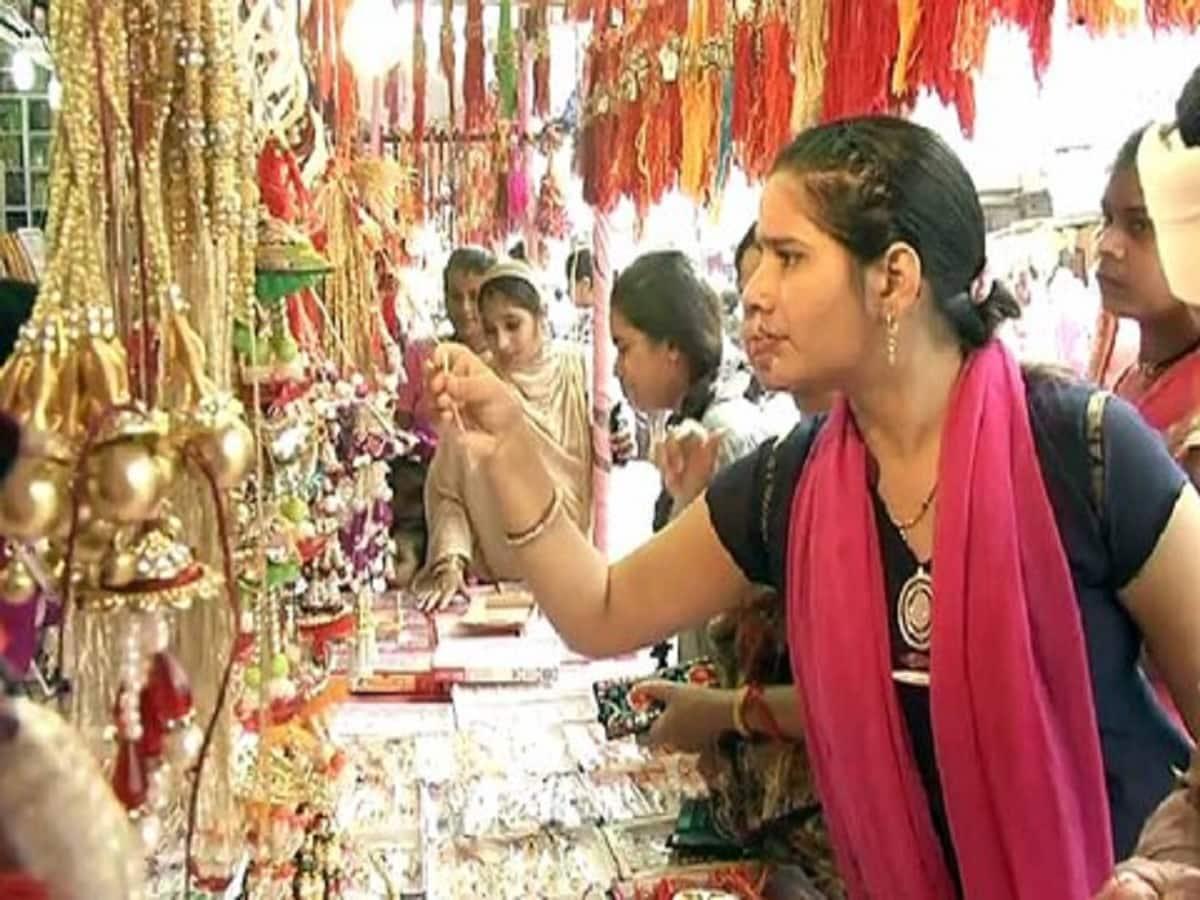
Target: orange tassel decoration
701	98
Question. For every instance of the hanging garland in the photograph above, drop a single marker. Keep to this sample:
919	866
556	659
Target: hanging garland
661	133
419	76
1102	16
474	88
925	58
863	40
446	56
706	58
810	31
1167	14
628	152
1036	19
506	62
771	118
746	71
601	189
538	37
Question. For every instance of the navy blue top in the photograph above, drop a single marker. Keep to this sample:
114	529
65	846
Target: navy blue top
1107	541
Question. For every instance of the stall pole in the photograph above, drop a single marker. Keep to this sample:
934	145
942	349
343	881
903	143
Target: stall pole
601	374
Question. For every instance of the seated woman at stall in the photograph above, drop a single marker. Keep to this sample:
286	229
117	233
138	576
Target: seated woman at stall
466	535
1164	383
667	327
966	602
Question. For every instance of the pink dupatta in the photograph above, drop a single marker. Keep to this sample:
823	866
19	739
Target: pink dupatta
1013	719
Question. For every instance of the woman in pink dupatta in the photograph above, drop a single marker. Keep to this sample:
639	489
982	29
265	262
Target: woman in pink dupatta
966	600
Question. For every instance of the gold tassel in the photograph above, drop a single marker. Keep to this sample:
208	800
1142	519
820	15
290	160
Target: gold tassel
811	30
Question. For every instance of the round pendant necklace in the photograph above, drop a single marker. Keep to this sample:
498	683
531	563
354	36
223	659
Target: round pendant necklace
914	607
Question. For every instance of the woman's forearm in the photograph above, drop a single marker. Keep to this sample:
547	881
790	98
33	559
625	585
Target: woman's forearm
567	575
784	705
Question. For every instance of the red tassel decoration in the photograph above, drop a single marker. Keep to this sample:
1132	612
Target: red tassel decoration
474	87
863	41
594	165
771	125
1036	19
746	72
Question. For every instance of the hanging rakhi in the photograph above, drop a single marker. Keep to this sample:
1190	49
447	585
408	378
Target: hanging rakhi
660	137
600	187
770	117
446	59
746	68
1101	16
971	34
810	25
419	78
863	39
631	88
926	58
1036	19
520	186
506	62
1178	14
474	88
538	36
707	58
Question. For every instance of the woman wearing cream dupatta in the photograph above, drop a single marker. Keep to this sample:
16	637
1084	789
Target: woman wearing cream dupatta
466	536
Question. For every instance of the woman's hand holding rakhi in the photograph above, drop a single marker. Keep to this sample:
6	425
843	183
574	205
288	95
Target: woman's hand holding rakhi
466	393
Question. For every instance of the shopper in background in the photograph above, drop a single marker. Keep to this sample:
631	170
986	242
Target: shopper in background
581	281
949	498
461	277
466	533
1167	860
1164	383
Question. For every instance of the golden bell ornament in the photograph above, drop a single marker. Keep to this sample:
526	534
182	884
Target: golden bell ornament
19	586
119	569
126	482
226	451
32	499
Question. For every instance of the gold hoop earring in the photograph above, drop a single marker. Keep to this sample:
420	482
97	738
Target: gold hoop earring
893	337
